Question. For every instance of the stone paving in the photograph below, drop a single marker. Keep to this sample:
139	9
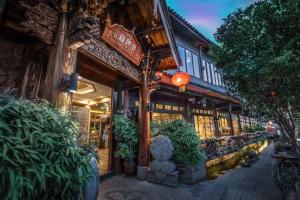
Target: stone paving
251	183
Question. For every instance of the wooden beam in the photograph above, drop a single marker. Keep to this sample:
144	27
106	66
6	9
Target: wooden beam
149	31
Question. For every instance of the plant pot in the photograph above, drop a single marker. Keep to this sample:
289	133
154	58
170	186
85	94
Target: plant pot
129	167
118	165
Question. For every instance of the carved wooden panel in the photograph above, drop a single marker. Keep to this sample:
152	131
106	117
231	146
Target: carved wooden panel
101	51
33	75
41	20
11	55
85	21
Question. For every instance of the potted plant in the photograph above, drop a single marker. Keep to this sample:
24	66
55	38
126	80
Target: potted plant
126	137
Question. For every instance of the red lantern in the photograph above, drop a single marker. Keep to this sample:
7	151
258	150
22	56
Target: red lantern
273	93
158	74
181	79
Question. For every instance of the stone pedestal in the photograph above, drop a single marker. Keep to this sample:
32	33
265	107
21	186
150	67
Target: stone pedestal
142	173
192	174
169	179
162	170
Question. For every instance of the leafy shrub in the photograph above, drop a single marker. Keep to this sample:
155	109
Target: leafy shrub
155	127
252	129
126	136
39	156
259	128
186	143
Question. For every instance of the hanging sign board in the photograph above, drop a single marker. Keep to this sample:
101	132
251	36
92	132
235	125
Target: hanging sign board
123	41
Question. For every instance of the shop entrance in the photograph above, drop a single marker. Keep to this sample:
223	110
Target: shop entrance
92	107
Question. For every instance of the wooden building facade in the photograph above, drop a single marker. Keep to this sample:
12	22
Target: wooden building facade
97	58
86	56
206	103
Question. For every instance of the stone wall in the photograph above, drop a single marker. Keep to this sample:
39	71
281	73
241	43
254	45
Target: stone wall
229	161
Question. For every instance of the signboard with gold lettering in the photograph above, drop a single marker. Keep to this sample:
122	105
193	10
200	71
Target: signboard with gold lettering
123	41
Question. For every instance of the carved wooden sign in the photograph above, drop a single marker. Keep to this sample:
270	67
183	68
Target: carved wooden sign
101	51
123	41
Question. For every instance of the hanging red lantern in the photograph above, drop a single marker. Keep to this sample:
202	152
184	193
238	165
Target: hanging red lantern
273	93
181	79
158	74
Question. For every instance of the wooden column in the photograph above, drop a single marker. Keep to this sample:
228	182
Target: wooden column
144	133
217	132
239	123
189	113
57	58
230	123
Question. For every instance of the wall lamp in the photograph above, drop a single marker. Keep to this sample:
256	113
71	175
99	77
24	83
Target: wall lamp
72	85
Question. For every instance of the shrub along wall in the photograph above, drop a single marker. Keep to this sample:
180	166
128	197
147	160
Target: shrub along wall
229	161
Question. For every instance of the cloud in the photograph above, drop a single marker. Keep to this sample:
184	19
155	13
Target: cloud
207	15
206	23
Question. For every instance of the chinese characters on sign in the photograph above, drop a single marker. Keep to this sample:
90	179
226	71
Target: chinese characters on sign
123	41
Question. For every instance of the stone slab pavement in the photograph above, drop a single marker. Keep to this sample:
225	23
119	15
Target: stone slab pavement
250	183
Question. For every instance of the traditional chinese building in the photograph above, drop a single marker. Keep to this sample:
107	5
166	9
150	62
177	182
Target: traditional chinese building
206	103
97	58
85	56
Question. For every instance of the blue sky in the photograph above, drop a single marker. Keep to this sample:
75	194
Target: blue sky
206	15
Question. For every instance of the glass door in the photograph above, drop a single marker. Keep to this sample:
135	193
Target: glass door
92	108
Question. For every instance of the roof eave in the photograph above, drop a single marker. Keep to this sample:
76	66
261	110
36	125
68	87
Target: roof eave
163	11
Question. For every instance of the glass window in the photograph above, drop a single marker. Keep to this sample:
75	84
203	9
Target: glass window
223	126
212	73
182	58
222	82
204	126
163	117
208	72
235	124
216	75
196	66
189	62
204	70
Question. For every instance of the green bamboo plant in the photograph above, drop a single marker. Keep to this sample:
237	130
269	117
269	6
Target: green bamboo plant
38	153
126	136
